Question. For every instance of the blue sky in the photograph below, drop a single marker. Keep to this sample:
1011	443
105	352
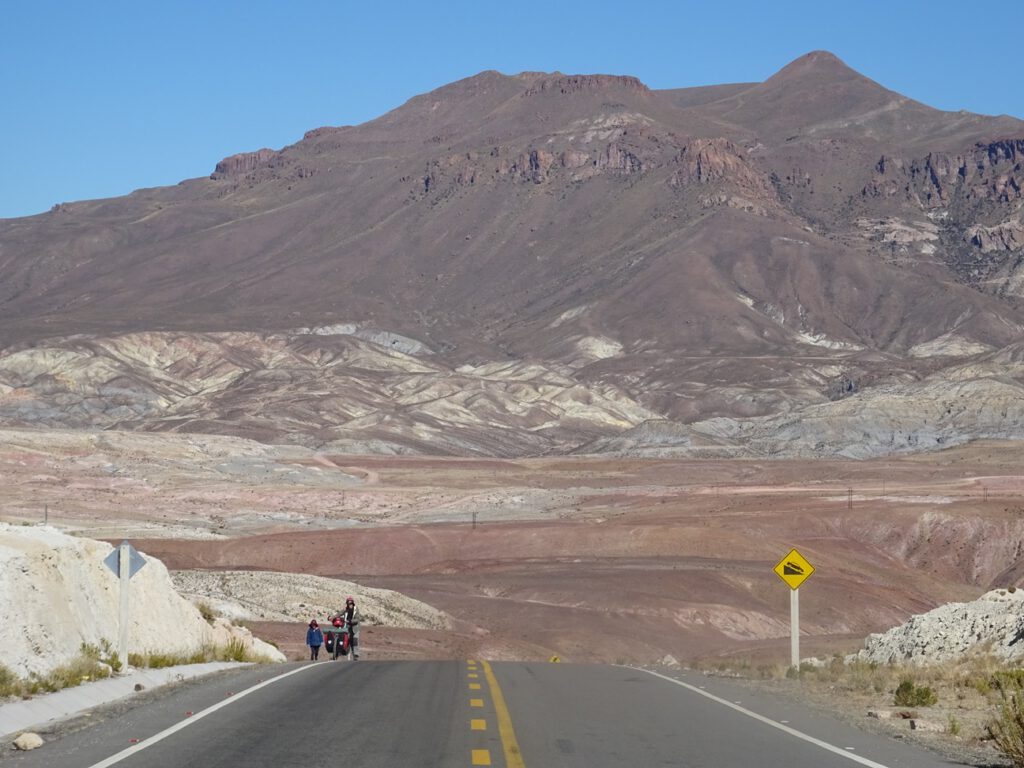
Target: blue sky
101	98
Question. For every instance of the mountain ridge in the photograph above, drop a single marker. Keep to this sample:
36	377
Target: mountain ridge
706	254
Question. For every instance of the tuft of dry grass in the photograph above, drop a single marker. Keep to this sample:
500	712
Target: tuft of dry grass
1007	728
89	664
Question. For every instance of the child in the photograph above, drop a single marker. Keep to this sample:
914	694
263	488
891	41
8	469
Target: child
314	639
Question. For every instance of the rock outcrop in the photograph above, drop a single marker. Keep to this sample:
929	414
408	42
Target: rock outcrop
566	84
994	623
56	594
243	163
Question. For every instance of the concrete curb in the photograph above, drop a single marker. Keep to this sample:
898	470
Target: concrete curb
48	708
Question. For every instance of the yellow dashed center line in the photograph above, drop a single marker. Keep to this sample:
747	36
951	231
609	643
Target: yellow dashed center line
476	702
513	757
474	686
473	675
481	757
478	725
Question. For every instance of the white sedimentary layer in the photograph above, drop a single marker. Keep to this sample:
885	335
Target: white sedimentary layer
56	594
263	595
994	623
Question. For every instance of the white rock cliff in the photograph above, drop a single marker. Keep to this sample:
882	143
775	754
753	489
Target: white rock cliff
56	594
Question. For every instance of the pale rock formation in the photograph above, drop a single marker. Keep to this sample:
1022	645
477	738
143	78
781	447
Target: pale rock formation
993	623
56	593
263	595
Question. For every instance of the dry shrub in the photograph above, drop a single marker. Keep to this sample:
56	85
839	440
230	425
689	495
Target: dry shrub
1007	730
909	694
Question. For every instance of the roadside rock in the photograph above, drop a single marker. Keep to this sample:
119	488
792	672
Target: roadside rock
27	741
993	623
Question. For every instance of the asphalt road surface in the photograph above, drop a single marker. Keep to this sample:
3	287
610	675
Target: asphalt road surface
425	714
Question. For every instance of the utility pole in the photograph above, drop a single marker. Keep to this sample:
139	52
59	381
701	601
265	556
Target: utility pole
46	514
849	498
474	519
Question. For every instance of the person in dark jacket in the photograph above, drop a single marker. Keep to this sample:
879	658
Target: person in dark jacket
352	622
314	639
349	618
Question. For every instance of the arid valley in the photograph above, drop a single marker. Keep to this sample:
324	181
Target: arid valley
587	558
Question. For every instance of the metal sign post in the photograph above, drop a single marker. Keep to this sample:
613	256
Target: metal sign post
794	570
124	568
125	562
794	628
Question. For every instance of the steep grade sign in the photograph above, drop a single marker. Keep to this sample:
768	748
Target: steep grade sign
794	569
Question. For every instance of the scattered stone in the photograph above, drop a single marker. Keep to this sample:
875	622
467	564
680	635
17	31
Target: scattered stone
140	687
880	714
668	660
27	741
926	726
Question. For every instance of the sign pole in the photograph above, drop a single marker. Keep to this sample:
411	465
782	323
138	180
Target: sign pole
125	573
794	570
794	629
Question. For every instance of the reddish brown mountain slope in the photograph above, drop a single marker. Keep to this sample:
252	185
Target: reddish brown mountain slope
731	251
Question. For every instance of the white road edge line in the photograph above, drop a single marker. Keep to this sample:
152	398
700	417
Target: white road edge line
126	753
768	721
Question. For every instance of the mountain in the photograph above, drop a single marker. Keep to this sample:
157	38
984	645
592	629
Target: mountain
538	263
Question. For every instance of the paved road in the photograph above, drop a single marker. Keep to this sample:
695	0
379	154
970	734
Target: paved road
426	714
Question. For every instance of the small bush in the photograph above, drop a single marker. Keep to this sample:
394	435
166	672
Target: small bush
1007	730
910	695
10	685
104	653
163	660
953	726
235	650
206	612
1012	679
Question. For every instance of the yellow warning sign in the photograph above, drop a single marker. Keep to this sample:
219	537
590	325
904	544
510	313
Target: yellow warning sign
794	569
555	660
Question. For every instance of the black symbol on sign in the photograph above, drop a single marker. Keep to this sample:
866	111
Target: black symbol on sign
792	569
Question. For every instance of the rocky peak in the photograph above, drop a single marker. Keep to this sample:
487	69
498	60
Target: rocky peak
819	65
